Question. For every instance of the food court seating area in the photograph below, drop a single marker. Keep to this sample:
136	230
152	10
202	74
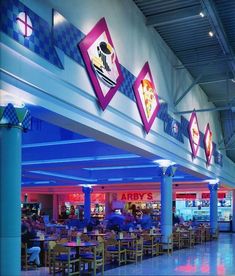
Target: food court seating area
77	251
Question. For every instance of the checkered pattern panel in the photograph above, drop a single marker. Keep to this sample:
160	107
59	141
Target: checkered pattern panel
126	87
202	140
9	115
184	126
26	124
169	127
163	112
40	42
218	158
66	37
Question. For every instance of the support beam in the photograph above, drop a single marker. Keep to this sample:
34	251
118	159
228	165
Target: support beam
215	78
175	16
204	62
204	110
196	81
218	28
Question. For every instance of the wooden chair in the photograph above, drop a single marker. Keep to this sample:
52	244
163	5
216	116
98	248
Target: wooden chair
185	238
24	257
49	257
191	238
150	245
114	250
176	240
94	259
166	246
136	251
63	260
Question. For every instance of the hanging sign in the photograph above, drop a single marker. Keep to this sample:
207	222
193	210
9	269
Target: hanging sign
101	62
208	145
194	134
79	198
146	96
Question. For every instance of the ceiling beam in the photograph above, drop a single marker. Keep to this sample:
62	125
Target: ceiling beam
218	28
204	110
204	62
214	78
175	16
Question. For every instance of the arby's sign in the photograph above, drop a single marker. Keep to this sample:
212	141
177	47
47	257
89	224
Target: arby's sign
137	196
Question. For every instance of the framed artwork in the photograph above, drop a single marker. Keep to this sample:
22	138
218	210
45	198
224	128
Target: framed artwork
194	134
101	62
146	97
208	144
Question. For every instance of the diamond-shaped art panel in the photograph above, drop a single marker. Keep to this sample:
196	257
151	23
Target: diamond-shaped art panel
146	96
101	62
208	144
194	134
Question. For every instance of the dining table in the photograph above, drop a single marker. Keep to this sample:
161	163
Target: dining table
42	240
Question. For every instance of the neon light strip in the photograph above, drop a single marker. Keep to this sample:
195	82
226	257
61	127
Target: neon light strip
82	159
121	167
55	143
65	176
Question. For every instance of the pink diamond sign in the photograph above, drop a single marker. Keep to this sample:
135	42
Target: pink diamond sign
101	62
146	97
208	144
194	134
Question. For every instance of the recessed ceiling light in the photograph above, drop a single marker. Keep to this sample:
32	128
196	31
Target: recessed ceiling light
211	34
201	14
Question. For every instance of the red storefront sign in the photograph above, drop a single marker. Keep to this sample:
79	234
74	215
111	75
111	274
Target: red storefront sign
137	196
190	196
221	195
79	197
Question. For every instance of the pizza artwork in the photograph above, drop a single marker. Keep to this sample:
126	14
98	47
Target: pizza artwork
146	96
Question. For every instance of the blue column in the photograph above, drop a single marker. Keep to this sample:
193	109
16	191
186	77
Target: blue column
11	127
213	207
166	202
87	203
233	217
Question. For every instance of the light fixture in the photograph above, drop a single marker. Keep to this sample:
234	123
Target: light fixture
211	34
202	14
213	181
164	163
87	185
7	98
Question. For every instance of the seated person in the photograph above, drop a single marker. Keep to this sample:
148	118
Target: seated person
63	214
146	221
72	213
28	233
116	221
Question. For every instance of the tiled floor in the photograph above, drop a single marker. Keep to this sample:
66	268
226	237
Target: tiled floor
212	258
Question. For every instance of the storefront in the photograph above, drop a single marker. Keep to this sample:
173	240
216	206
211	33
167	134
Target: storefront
196	206
77	200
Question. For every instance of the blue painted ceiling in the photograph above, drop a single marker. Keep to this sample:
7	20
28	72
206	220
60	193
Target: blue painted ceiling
53	156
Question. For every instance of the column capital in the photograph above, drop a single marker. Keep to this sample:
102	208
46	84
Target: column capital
213	187
11	116
168	171
87	190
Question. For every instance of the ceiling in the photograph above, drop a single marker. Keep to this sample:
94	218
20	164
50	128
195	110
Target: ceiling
55	157
210	60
